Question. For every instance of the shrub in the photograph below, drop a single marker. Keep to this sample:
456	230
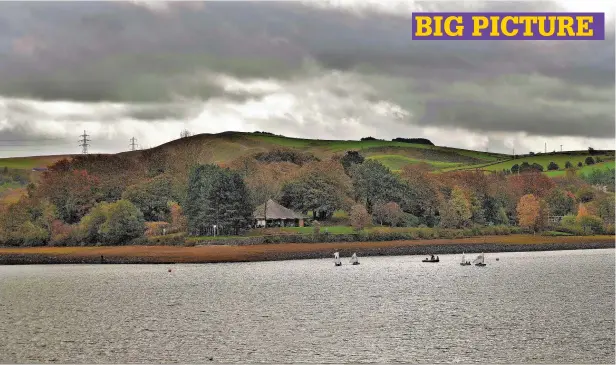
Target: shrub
590	223
580	164
568	165
552	166
589	161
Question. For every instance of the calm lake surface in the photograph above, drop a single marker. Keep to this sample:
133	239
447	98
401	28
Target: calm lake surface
539	307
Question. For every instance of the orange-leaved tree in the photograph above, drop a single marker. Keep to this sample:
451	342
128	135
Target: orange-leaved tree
528	211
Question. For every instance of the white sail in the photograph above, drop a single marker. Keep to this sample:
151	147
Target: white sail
337	257
463	258
478	260
354	258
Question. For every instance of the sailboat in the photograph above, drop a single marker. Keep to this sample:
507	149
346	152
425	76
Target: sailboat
354	260
465	262
337	261
479	260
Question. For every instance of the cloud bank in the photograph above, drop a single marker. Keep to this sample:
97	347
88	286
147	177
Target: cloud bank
304	69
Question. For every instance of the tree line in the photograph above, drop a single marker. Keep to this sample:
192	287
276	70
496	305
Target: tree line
114	199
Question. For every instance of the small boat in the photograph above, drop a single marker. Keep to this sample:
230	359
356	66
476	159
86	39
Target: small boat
432	258
465	262
354	260
479	261
337	261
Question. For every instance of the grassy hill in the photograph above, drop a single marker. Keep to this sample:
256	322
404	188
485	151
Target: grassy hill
227	146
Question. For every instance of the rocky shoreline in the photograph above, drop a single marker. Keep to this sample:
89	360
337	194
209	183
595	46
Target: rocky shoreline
222	254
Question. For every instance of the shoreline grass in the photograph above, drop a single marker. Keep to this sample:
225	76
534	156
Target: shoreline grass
271	252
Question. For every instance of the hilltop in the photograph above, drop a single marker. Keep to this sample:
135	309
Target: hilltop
224	147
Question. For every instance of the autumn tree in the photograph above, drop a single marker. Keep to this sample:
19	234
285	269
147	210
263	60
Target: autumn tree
177	217
73	192
456	211
27	222
360	218
528	211
388	213
266	180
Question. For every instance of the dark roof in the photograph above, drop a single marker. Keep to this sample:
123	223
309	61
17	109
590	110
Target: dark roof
276	211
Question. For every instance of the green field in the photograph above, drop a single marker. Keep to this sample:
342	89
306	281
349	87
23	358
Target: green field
225	147
584	170
396	162
27	163
559	158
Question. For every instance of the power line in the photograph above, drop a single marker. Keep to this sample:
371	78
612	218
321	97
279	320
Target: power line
133	145
84	143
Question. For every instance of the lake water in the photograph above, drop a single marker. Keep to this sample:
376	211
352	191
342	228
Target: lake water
540	307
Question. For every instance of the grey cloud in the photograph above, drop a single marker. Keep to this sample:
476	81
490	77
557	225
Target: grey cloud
118	52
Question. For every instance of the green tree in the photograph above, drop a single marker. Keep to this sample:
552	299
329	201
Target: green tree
456	212
552	166
217	197
112	223
589	161
599	176
312	193
605	207
560	203
515	168
351	158
568	165
124	222
373	182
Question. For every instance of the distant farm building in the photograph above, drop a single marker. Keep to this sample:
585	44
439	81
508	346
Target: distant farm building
275	215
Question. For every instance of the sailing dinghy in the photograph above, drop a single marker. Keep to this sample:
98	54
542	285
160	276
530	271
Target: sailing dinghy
479	261
465	262
354	260
337	261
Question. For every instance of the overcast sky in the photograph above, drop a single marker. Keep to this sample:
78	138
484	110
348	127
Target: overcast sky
304	69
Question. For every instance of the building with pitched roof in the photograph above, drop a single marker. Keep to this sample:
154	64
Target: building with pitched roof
273	214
